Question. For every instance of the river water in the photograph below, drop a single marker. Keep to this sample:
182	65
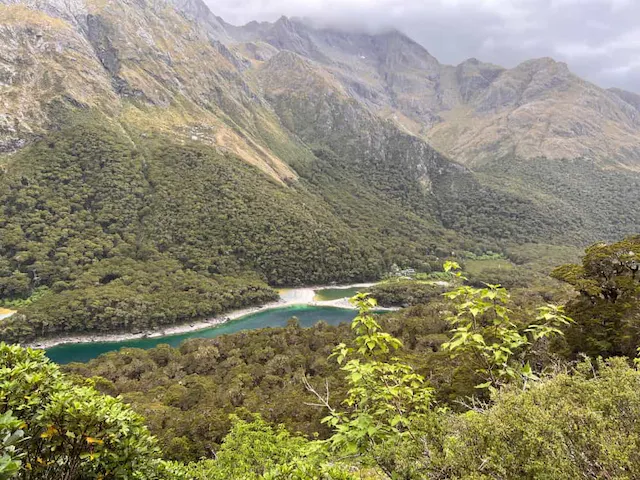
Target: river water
274	317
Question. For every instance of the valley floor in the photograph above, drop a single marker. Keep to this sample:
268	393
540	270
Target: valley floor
288	297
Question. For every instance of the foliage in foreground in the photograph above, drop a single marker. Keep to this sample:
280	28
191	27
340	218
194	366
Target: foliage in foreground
533	418
387	428
583	423
53	429
528	434
495	347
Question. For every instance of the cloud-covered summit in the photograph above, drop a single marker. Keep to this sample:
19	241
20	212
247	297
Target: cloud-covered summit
598	39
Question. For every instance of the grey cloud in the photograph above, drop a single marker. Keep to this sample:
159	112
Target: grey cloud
599	39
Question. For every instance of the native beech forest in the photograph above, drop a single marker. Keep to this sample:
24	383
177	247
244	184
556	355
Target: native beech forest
115	236
105	229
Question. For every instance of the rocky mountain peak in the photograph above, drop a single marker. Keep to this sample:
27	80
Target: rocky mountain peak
151	51
395	49
284	34
197	11
474	77
284	22
543	63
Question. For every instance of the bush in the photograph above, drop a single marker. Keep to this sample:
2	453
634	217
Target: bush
71	432
404	293
584	424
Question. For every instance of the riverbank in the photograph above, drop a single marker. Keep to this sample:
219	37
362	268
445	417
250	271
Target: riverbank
6	313
288	297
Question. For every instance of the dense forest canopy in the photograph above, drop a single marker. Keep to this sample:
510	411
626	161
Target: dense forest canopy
478	383
607	309
108	229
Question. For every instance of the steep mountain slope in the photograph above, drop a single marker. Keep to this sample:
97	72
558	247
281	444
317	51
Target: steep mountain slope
165	188
101	54
161	165
38	53
631	98
502	123
474	112
396	164
540	109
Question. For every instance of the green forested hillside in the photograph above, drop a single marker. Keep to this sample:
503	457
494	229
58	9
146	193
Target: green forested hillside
121	236
591	201
149	179
110	230
126	237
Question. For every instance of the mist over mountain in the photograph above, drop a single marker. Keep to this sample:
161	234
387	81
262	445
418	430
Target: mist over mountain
597	38
472	112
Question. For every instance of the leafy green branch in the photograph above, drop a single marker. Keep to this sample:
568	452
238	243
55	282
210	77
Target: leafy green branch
386	397
485	336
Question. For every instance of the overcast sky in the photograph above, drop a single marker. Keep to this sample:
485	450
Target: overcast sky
599	39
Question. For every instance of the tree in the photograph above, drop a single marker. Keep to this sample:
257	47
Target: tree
495	347
607	310
386	397
255	450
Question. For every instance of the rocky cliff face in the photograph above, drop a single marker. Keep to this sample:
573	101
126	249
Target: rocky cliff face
320	110
630	98
145	65
43	60
540	109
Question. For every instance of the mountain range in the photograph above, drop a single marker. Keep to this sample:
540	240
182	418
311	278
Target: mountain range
159	164
473	112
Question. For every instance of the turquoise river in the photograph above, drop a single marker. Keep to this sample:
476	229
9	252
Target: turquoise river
274	317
